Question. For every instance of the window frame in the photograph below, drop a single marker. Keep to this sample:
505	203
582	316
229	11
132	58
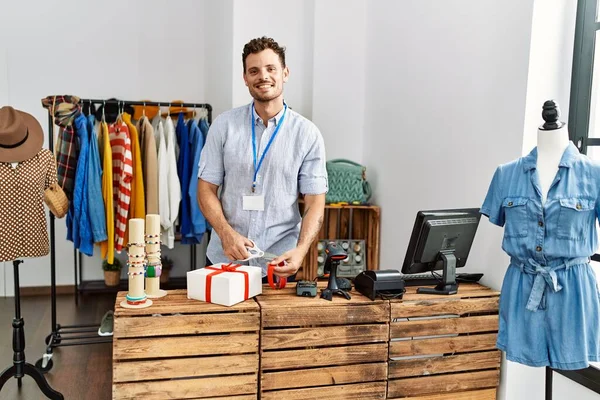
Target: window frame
586	26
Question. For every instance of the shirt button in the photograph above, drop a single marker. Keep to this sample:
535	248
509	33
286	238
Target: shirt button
540	223
510	203
538	248
578	206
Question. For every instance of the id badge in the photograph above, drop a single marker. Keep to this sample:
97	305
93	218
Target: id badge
254	203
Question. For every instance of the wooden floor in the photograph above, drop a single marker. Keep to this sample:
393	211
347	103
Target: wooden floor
79	372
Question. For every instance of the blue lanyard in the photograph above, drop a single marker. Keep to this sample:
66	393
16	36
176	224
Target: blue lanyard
262	157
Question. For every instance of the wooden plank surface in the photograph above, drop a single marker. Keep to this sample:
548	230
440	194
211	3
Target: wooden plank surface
324	336
296	359
324	315
148	348
485	394
186	324
132	371
287	298
361	391
176	301
438	384
440	365
442	326
426	308
456	344
324	376
187	388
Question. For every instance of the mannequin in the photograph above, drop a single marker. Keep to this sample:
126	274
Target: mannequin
552	140
26	170
548	203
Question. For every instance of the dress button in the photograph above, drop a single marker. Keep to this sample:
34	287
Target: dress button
538	248
510	203
540	223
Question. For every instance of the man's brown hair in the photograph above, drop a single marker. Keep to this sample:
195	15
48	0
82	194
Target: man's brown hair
259	44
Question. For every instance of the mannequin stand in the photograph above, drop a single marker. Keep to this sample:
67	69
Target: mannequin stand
20	368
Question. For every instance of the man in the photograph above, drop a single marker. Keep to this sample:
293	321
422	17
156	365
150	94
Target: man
262	155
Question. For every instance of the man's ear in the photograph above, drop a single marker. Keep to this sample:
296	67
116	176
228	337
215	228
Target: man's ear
286	74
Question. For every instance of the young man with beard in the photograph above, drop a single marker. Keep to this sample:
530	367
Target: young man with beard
262	155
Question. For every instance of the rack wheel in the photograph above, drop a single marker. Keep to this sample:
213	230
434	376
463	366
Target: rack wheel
39	364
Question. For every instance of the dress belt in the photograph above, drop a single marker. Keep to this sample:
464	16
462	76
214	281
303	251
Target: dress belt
544	275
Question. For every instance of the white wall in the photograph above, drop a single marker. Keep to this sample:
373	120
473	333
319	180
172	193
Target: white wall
341	73
550	63
564	388
290	23
444	106
130	50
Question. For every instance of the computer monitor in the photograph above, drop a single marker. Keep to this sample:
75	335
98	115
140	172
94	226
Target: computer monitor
441	240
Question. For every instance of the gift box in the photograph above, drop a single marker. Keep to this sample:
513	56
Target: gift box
225	284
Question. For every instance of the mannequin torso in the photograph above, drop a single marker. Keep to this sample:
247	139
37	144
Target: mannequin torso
551	145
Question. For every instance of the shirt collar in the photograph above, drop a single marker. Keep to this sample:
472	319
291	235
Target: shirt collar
275	119
567	159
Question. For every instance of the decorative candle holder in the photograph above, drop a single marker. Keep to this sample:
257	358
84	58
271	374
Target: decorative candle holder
136	296
153	262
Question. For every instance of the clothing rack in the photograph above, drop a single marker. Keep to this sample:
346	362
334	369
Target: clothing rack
75	335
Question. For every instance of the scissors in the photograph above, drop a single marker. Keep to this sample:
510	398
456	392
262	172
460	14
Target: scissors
255	252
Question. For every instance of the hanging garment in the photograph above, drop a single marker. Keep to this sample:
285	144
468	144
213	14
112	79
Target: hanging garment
122	173
137	208
107	248
22	214
80	231
94	186
549	304
184	172
63	110
149	164
198	220
163	176
173	185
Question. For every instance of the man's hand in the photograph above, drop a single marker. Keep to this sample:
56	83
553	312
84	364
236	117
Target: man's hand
234	246
293	258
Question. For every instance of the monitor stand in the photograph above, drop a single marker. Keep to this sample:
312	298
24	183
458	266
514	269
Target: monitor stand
448	284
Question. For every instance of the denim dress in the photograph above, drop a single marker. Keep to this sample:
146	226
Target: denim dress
549	303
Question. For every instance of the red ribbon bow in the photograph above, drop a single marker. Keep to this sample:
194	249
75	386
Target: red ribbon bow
226	268
270	271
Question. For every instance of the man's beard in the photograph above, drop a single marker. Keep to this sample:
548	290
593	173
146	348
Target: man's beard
264	98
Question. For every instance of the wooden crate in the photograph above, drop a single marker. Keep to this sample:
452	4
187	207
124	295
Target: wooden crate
193	350
312	348
443	347
365	226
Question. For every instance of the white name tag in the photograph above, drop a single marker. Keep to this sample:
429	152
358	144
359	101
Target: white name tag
254	203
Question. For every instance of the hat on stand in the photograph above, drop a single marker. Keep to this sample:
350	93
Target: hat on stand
21	135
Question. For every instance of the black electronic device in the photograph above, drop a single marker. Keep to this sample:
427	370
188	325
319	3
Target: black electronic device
441	240
306	288
334	254
387	283
429	279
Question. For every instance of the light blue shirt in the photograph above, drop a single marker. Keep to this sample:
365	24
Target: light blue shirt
542	239
295	163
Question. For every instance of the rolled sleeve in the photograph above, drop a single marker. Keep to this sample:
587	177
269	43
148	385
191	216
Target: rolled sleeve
312	178
210	165
492	205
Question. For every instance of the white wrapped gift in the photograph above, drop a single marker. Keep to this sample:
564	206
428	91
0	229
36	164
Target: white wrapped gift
225	284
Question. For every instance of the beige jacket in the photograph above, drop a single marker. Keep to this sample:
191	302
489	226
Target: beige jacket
149	164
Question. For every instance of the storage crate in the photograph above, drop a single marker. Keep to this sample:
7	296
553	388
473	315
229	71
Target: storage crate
186	349
346	222
443	347
312	348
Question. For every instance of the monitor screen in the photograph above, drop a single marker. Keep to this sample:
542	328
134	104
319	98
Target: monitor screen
440	231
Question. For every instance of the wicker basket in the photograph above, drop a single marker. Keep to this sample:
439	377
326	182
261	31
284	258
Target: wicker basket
56	200
112	278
